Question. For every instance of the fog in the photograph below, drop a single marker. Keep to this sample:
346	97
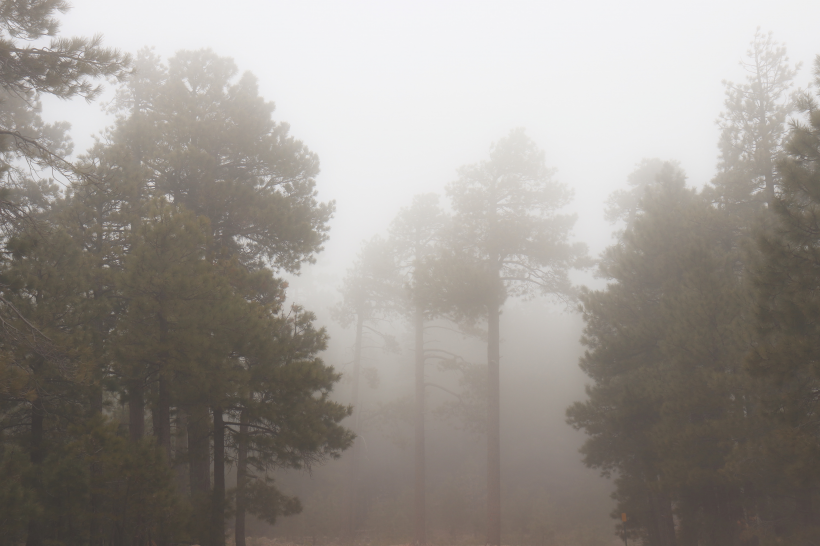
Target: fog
394	97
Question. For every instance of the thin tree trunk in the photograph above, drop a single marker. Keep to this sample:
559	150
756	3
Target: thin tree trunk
136	409
661	506
36	456
768	173
163	430
420	526
353	477
95	472
199	454
218	503
199	450
96	395
805	509
493	425
181	452
770	193
241	478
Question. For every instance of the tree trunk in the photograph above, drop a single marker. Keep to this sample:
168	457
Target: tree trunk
493	424
770	193
136	409
36	456
241	478
95	471
805	509
218	502
181	452
163	431
420	527
353	477
199	450
661	506
199	454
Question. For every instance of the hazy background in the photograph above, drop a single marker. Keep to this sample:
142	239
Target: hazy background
395	96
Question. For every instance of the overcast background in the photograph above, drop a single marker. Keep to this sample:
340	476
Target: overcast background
394	96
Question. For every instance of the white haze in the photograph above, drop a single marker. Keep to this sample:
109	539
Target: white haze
394	96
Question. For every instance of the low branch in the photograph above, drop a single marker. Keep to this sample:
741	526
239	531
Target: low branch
49	158
445	389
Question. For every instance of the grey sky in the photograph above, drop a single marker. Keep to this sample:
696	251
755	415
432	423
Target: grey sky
394	96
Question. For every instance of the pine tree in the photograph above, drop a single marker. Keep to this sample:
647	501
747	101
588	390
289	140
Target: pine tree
414	234
66	68
512	239
754	126
369	296
787	316
665	347
286	417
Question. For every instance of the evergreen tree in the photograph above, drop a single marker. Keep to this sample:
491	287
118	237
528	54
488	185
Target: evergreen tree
194	134
665	342
753	127
66	68
369	293
787	313
414	235
286	418
511	237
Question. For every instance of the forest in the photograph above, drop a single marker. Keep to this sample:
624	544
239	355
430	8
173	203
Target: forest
167	368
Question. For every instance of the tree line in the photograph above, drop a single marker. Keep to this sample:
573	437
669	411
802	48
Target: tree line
702	347
147	344
148	287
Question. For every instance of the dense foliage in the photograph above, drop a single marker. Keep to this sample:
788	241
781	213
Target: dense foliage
702	347
147	349
150	284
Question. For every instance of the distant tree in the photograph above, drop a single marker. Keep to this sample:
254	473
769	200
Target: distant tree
753	126
369	293
625	205
510	237
414	235
208	142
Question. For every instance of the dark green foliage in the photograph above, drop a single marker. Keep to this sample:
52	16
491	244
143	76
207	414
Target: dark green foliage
66	68
153	288
268	504
704	452
17	499
207	141
665	348
788	317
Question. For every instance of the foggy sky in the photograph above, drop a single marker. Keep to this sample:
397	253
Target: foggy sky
395	95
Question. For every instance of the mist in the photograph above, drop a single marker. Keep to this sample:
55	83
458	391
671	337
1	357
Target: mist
400	100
